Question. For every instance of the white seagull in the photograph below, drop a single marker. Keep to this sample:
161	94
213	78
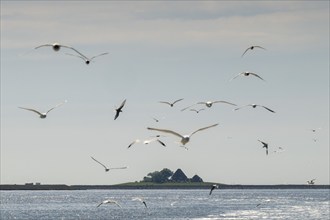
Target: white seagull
184	138
247	73
109	201
106	168
56	47
118	110
311	182
43	114
171	103
86	59
141	200
148	141
251	48
209	104
214	186
254	106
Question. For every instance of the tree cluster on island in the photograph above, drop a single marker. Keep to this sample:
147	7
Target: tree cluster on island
167	176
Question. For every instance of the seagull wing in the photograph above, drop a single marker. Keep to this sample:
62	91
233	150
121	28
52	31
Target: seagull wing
246	51
122	105
75	51
136	141
165	102
33	110
225	102
166	131
188	107
117	168
117	114
177	101
236	76
267	108
99	162
260	47
162	143
203	129
74	55
58	105
256	75
99	55
265	144
44	45
242	107
99	204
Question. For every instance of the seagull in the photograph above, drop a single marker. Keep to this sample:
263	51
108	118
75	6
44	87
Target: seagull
254	106
118	110
109	201
141	200
265	145
251	48
86	59
209	104
184	138
171	104
106	168
43	114
56	47
311	182
197	111
247	73
148	141
213	187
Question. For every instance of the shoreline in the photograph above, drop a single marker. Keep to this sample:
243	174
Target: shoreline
8	187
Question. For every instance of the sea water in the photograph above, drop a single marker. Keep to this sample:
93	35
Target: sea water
235	204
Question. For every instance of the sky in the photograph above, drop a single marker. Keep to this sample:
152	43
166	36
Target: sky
164	51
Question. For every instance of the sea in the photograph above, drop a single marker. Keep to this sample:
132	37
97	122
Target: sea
302	204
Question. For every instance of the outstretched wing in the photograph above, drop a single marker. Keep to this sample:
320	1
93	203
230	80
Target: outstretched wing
235	76
203	129
225	102
188	107
256	75
44	45
58	105
260	47
99	55
162	143
33	110
177	101
99	162
166	131
79	56
117	168
122	105
265	144
165	102
267	108
75	51
136	141
246	51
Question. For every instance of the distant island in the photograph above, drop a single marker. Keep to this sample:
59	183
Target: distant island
164	179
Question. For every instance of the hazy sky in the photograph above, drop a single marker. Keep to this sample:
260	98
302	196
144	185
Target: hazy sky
163	51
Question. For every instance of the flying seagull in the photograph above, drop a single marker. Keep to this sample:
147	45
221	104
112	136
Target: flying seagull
56	47
109	201
209	104
215	186
311	182
141	200
118	110
86	59
43	114
106	168
148	141
251	48
171	103
197	111
184	138
247	73
254	106
265	145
